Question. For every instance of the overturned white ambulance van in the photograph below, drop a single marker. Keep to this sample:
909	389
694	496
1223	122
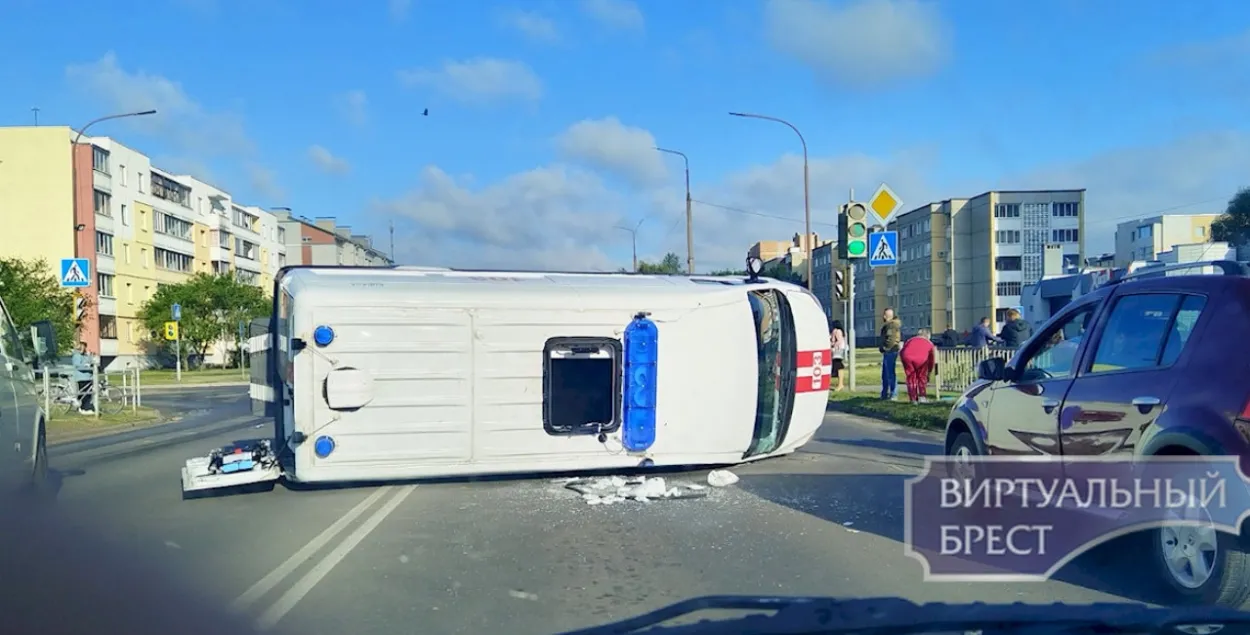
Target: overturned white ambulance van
376	374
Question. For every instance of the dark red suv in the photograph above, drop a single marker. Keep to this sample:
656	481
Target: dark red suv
1153	364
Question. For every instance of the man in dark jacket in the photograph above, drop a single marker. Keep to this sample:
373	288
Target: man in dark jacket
1015	331
982	336
891	342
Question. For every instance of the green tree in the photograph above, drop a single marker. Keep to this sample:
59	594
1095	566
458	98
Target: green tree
32	291
1233	225
212	307
781	271
669	265
729	272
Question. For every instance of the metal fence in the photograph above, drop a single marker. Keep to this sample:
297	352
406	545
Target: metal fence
957	367
110	392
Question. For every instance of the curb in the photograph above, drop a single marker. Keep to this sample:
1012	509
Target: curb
160	387
158	421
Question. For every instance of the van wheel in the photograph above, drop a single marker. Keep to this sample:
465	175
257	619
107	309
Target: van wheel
962	454
1199	565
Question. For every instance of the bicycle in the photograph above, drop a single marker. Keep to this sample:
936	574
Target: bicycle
66	397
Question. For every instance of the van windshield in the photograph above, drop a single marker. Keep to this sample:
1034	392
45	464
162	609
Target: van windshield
775	361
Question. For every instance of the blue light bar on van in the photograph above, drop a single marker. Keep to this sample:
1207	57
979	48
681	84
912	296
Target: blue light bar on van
641	365
323	335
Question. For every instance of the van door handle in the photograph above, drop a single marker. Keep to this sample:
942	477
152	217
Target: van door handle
1049	405
1146	404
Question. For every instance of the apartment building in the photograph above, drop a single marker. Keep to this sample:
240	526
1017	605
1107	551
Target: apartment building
964	259
322	241
138	225
1146	238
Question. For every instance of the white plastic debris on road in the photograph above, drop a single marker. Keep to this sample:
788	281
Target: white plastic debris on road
721	478
608	490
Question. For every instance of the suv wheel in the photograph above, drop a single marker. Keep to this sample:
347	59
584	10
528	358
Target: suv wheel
963	451
1199	565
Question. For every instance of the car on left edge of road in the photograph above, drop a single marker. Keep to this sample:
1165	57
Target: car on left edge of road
23	423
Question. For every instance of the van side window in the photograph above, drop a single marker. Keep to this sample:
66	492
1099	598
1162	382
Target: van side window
582	385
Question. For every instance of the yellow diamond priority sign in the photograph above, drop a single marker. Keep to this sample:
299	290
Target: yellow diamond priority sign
884	204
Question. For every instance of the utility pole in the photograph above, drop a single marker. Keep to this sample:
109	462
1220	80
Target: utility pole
633	234
689	212
36	111
392	242
73	163
807	207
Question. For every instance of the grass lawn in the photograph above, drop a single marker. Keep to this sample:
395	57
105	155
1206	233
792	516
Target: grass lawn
926	416
75	426
164	377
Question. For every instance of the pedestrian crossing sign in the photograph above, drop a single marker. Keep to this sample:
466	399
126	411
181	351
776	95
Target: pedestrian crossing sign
75	273
883	249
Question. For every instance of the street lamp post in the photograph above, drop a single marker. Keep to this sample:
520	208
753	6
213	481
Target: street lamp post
689	215
633	234
807	208
73	162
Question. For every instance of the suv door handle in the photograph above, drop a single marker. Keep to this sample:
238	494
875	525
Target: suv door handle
1049	405
1146	404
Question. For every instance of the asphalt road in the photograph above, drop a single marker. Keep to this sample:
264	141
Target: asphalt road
519	556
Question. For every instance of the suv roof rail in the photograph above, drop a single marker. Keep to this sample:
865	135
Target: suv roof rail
1223	267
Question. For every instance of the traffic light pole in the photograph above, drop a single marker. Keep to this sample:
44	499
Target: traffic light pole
850	325
178	362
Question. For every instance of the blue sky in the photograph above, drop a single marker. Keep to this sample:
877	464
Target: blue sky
543	113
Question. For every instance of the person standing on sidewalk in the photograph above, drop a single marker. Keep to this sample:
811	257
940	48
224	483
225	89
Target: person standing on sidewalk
839	348
890	343
82	363
919	357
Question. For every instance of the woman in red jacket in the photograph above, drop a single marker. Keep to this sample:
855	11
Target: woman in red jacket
919	357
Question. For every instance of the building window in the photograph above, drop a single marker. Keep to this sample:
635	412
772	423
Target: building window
1007	236
173	261
246	277
1069	210
104	243
244	249
1007	210
171	190
100	160
1201	232
108	327
171	226
1065	235
1007	263
224	239
103	205
1008	288
105	283
125	215
121	169
243	219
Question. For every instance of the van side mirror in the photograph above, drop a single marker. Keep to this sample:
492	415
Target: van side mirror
992	369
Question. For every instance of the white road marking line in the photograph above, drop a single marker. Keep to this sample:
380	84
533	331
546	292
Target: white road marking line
275	577
280	608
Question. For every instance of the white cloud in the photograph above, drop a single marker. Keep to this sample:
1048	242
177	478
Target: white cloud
264	183
1187	175
610	145
399	9
327	162
480	80
868	43
547	218
618	14
354	106
193	135
534	26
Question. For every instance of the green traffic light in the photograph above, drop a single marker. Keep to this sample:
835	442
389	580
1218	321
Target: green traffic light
856	248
